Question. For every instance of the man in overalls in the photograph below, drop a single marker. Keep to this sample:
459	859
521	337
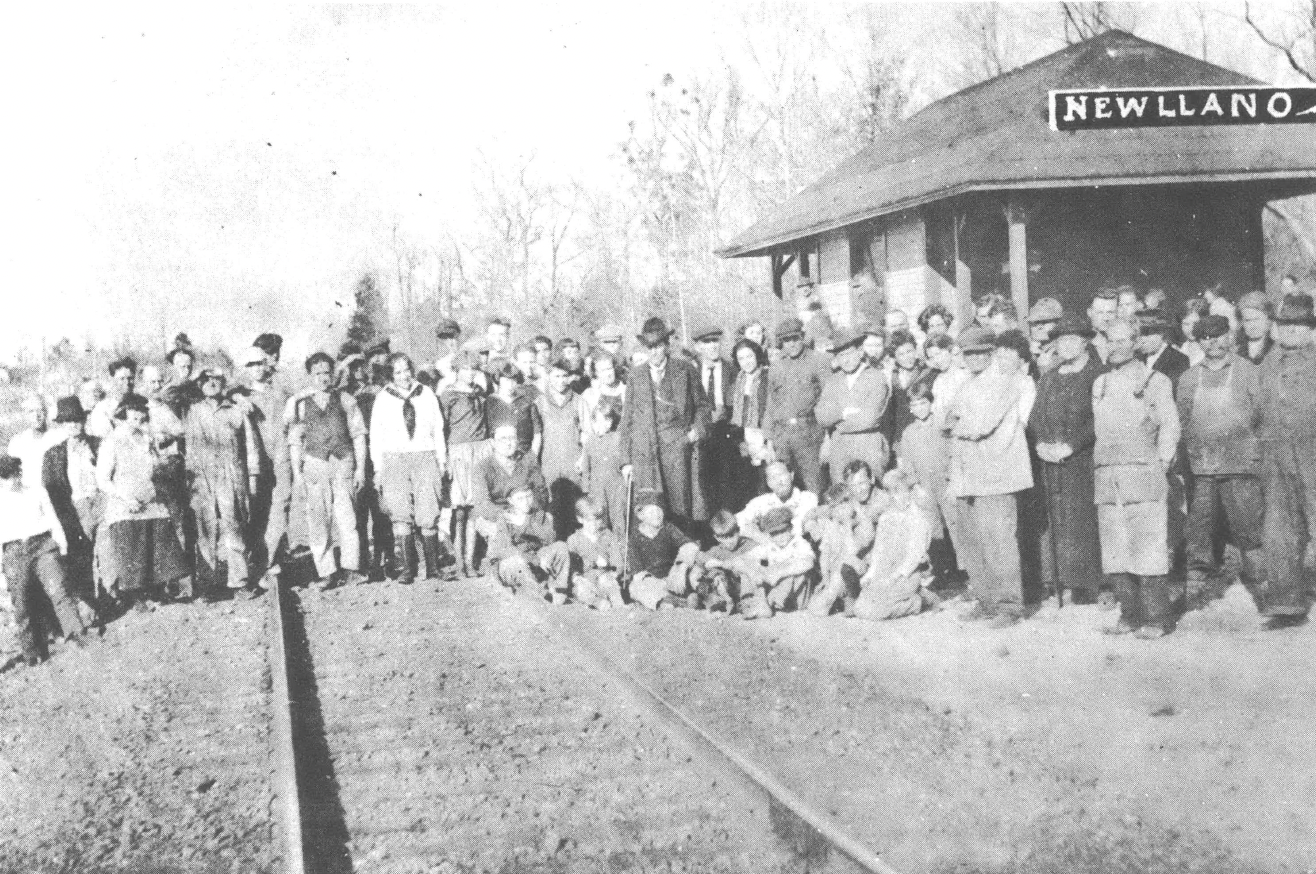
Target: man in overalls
1218	408
1288	459
1137	429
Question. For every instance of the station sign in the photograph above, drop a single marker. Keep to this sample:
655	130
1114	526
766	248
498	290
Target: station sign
1112	108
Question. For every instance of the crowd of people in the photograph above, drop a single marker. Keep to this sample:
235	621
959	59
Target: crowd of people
867	472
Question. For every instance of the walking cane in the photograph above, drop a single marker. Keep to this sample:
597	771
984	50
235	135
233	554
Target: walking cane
626	529
1051	536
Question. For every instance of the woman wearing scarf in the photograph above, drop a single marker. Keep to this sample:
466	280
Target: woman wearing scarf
409	456
749	398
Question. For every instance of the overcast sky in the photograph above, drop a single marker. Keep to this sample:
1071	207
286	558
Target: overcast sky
251	154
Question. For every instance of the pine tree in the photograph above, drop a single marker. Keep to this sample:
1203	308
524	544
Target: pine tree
370	317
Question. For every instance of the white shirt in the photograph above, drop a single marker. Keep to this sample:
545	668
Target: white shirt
30	448
388	430
800	503
25	513
100	421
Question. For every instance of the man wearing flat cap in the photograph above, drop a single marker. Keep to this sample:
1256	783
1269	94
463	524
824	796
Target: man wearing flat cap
665	415
1218	410
1154	347
795	383
851	406
989	467
716	455
1062	428
1288	463
271	500
1254	313
1043	318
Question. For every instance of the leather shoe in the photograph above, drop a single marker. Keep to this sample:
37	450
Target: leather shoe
1120	627
1279	623
1149	632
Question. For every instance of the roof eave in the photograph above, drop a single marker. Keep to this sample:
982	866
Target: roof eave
782	241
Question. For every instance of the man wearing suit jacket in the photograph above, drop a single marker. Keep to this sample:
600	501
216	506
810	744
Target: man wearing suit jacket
1154	348
665	415
715	455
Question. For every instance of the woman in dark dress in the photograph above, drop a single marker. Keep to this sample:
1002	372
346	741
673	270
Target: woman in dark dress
1062	427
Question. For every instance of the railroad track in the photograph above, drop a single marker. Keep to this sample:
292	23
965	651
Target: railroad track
463	729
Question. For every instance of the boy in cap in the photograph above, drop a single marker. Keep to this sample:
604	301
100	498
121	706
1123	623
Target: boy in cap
660	556
467	432
780	572
720	584
1218	410
525	554
795	382
1043	318
1288	462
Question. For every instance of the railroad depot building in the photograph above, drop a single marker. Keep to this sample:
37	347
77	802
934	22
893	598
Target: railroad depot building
978	192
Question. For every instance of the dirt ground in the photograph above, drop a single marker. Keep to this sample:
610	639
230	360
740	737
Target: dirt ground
1047	747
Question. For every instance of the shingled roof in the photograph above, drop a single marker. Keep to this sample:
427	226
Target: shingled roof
995	136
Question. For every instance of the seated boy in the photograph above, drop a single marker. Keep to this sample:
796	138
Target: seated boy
523	549
779	573
719	584
33	542
781	493
893	585
660	556
848	537
596	558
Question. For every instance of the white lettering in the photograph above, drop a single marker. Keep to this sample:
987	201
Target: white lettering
1101	107
1213	105
1160	107
1273	109
1183	107
1133	105
1246	101
1076	106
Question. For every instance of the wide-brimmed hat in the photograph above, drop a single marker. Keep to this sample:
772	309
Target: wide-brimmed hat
1210	327
1296	310
654	332
976	339
69	409
1077	325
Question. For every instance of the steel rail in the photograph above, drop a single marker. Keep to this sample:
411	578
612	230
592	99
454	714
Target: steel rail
286	783
713	748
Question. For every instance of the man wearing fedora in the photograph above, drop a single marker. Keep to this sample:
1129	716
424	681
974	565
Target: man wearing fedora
852	405
1288	463
68	474
795	382
665	415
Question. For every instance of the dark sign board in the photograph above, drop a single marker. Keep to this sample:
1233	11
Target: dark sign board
1104	109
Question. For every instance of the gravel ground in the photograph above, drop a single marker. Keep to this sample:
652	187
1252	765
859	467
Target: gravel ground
1047	747
145	752
464	738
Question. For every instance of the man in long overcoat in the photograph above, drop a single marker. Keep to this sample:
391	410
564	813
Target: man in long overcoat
666	413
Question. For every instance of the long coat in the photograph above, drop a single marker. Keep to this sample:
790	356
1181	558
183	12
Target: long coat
655	426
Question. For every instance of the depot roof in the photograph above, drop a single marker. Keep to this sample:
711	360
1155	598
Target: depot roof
996	135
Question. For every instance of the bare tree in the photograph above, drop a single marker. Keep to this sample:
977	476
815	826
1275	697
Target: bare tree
1085	20
1295	39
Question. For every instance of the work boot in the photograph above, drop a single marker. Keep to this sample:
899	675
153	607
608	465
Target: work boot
430	544
404	555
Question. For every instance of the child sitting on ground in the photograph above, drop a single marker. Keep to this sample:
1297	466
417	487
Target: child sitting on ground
525	555
660	556
855	513
894	584
719	585
596	559
832	528
781	571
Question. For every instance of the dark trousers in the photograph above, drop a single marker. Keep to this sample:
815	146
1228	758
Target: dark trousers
373	525
991	551
1231	503
800	446
1289	483
1143	600
36	562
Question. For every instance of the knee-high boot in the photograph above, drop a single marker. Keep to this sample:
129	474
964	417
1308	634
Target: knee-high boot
404	554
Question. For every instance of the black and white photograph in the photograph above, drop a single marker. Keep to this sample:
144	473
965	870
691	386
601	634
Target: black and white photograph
682	438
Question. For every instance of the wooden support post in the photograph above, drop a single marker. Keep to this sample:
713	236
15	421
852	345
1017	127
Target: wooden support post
779	267
963	276
1018	220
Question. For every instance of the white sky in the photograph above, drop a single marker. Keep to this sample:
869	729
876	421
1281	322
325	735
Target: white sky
180	154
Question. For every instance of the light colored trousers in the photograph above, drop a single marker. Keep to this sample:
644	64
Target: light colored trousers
331	513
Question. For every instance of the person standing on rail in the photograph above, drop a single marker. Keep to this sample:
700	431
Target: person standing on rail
327	456
410	455
1137	436
272	499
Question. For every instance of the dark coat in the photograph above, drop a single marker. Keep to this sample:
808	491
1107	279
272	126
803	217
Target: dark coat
654	438
1172	363
1241	348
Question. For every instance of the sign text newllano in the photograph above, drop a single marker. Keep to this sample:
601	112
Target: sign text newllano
1179	107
